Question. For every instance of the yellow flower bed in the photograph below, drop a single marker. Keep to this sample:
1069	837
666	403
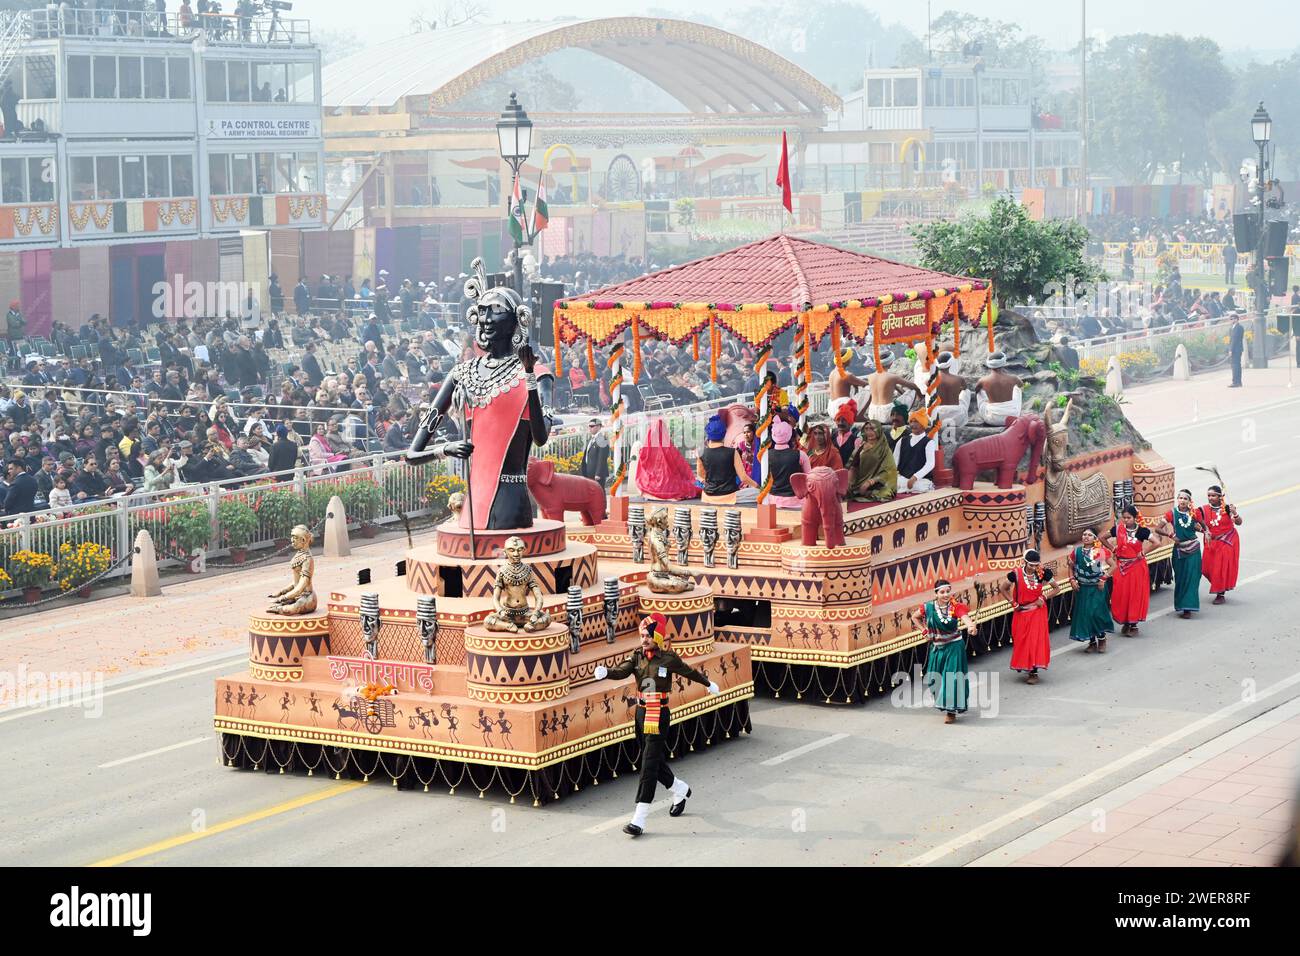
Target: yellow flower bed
1139	362
80	565
31	569
567	464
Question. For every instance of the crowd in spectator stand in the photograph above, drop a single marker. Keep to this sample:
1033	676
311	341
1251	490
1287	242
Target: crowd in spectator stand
336	373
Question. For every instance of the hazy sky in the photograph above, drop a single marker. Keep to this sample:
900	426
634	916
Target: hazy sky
1271	25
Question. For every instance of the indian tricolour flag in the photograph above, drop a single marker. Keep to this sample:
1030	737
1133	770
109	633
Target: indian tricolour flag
541	215
517	229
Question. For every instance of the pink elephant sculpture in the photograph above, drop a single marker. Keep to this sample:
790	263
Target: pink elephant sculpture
1002	452
558	493
822	491
736	417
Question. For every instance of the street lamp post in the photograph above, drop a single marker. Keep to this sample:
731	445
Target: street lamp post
1261	128
515	139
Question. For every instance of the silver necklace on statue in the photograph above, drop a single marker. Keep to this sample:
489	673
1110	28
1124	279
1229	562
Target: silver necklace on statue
485	378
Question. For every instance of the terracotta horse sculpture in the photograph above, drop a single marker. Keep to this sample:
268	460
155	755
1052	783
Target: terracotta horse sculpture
1002	452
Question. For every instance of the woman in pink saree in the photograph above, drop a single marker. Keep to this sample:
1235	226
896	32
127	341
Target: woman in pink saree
661	470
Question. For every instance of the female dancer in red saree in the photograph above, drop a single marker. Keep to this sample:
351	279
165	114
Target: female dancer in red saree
1027	588
1222	543
497	396
1130	594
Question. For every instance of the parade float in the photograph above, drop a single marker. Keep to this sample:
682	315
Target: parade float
474	665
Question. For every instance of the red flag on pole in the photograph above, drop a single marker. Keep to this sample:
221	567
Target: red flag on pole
783	176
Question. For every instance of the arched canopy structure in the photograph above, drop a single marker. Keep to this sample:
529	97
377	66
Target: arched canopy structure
706	69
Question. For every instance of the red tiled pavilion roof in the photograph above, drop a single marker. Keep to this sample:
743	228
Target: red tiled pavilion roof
779	270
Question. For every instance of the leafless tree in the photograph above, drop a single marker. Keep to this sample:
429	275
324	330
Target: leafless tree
446	14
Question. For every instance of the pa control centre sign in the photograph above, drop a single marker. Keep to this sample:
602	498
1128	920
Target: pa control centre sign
263	129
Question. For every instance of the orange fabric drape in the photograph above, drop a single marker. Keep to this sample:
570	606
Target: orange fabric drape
695	347
715	340
591	361
835	346
559	348
636	351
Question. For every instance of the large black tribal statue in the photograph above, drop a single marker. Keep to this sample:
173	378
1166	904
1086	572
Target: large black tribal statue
497	399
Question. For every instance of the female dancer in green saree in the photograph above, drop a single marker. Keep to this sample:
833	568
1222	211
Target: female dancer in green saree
1183	526
1090	566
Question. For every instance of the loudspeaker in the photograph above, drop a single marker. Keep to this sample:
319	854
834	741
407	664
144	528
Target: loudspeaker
544	296
1274	244
1245	231
1276	268
1284	322
498	279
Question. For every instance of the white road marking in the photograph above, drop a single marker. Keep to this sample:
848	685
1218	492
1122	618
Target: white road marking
151	753
1247	451
1225	417
806	748
619	821
1074	786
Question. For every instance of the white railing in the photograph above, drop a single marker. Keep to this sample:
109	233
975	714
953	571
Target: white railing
1108	345
15	28
216	518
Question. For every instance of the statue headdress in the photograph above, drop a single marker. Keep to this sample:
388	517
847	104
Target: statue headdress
482	297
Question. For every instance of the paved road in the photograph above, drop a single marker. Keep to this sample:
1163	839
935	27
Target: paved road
819	784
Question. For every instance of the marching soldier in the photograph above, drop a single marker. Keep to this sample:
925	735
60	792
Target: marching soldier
654	666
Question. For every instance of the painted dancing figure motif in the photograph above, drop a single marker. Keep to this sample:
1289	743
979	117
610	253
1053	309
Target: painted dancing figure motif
285	703
314	703
653	667
449	715
607	702
487	726
565	720
503	727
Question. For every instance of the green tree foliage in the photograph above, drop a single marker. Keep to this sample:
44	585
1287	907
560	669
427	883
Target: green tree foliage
1275	84
1152	100
999	44
1022	257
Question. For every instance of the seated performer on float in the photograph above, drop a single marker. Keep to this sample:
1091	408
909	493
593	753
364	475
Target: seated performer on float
887	389
841	384
653	666
664	577
1183	527
997	394
720	469
914	455
954	398
874	475
822	452
1222	543
1091	565
661	470
785	459
501	406
516	594
897	427
845	437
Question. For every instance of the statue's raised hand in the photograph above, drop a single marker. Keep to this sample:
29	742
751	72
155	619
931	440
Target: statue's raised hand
458	449
527	358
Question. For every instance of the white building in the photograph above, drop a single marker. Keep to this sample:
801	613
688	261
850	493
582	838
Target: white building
141	127
961	122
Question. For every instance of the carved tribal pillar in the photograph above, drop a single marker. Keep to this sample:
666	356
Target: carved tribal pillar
370	624
708	534
426	612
